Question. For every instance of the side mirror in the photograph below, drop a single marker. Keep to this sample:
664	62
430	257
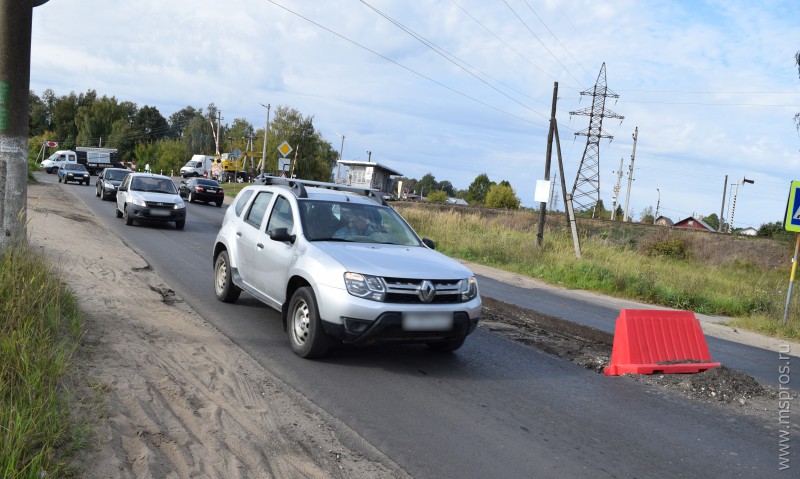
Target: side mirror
429	243
122	188
282	234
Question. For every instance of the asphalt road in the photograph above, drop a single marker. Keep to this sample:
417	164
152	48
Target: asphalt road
492	409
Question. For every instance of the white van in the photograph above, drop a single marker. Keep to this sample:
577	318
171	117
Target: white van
199	165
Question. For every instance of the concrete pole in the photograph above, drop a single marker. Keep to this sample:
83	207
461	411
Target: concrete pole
339	170
630	175
16	19
722	210
266	138
548	155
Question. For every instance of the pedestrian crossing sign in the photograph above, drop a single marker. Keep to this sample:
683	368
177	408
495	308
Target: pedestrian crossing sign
792	219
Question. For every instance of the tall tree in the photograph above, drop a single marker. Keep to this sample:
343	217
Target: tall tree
95	120
426	184
180	119
150	124
476	193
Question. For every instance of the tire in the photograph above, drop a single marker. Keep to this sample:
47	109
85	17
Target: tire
219	203
118	212
447	346
87	182
128	219
59	180
97	193
180	224
306	336
191	197
225	290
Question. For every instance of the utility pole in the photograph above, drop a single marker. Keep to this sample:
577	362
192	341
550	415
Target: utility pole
553	194
548	155
266	138
616	192
733	204
16	19
722	210
658	203
630	175
339	169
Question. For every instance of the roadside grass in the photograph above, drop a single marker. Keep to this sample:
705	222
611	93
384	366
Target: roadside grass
655	266
39	331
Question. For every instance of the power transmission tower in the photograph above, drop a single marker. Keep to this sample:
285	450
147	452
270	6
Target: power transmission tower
586	191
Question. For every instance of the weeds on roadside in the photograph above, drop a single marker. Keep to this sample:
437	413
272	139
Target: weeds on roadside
38	332
658	268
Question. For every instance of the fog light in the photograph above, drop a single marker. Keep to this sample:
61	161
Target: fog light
356	326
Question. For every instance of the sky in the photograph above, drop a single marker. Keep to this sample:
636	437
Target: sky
457	88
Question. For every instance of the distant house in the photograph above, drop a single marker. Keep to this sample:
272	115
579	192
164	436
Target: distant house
692	223
365	174
663	221
749	231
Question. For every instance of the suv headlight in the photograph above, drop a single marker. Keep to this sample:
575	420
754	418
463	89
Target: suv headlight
135	200
469	289
179	204
364	286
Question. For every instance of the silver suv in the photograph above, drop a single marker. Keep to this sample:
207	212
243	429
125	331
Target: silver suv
339	263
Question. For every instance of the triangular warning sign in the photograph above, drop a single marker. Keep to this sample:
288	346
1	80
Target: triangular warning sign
796	215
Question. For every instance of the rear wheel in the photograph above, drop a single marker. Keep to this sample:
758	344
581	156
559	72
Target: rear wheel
224	288
306	336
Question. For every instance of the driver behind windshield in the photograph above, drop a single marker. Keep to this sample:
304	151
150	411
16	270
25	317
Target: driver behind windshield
355	225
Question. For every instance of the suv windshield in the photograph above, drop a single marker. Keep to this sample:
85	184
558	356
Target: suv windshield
362	223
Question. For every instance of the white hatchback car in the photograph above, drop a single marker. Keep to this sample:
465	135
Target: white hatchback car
144	196
338	262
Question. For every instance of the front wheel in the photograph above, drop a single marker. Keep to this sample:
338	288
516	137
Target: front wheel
191	197
180	224
97	192
306	336
224	288
127	216
118	212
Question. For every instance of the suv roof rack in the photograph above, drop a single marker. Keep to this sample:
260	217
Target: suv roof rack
298	186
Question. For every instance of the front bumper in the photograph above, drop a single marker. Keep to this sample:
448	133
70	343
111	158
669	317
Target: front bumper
156	214
389	328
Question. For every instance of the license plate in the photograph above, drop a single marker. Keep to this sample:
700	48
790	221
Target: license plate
427	321
211	190
159	213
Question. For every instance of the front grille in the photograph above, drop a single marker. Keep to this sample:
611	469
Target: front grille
406	291
159	205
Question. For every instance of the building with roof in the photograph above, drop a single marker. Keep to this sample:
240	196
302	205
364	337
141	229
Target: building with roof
692	223
365	174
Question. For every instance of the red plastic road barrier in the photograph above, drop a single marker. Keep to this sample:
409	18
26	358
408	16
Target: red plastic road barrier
648	341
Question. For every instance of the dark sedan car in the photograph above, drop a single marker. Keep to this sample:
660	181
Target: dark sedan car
108	181
202	189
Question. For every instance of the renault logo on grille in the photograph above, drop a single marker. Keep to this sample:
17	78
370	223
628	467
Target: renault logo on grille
426	291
